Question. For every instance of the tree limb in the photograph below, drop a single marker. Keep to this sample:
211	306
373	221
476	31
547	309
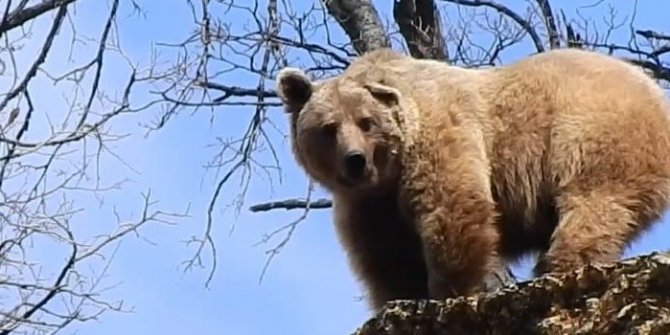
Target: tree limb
573	39
360	22
550	23
653	34
419	23
525	24
657	71
290	204
22	15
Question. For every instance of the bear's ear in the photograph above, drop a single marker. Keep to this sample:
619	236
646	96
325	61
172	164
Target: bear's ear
293	87
386	94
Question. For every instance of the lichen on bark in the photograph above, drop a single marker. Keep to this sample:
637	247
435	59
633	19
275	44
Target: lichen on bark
631	296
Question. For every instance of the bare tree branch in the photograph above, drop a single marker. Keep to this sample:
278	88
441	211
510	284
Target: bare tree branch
657	71
653	34
573	39
291	204
51	153
524	23
550	23
361	23
419	24
24	14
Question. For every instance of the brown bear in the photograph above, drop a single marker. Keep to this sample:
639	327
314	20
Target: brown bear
438	173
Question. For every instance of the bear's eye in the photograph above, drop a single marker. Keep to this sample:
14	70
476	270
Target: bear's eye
366	123
329	129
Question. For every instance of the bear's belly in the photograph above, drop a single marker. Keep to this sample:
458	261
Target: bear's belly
524	197
521	233
520	179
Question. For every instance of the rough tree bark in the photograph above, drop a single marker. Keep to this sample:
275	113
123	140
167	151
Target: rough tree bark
419	23
360	21
627	297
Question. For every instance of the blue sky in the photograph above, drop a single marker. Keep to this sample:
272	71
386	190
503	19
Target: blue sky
308	288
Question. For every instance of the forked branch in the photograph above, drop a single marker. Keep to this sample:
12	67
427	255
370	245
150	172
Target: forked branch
419	24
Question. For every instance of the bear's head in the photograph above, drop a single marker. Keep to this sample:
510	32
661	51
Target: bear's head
343	131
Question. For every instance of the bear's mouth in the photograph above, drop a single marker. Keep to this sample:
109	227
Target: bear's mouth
361	182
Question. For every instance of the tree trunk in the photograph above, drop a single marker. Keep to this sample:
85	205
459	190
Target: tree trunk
627	297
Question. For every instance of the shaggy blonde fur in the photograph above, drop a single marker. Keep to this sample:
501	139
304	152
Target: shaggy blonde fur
565	153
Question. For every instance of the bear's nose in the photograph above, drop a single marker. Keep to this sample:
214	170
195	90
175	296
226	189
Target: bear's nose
354	164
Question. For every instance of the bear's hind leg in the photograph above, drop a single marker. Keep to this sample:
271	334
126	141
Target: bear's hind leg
596	225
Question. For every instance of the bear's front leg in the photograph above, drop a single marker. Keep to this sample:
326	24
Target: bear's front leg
383	249
447	189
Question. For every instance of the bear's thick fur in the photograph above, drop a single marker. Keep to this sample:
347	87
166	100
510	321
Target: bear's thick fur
438	173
